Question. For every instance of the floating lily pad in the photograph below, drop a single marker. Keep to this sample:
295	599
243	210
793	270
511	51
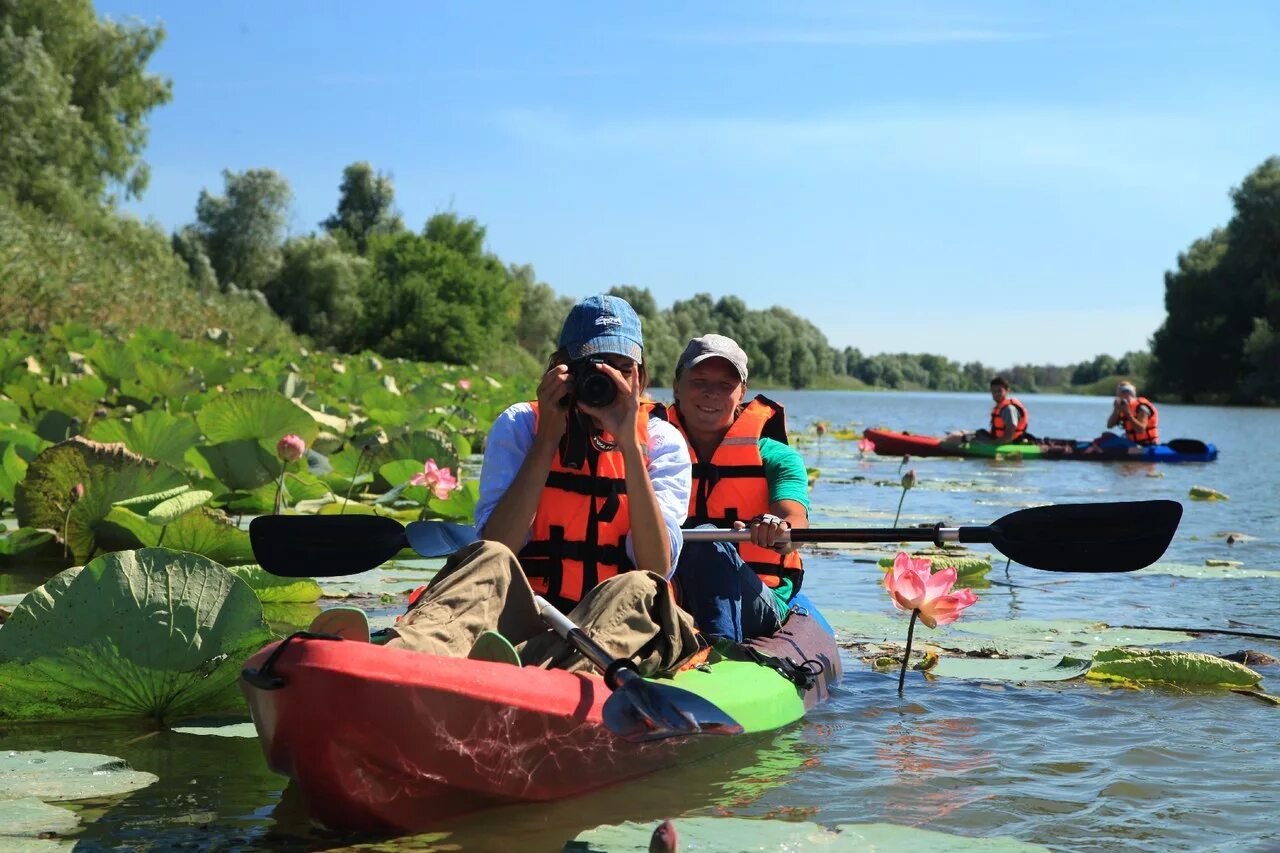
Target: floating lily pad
1051	668
228	730
108	472
745	834
1179	570
1204	493
151	633
393	579
1136	666
67	776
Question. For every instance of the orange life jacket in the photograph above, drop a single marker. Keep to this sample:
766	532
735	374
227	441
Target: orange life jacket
997	422
1151	435
731	485
580	527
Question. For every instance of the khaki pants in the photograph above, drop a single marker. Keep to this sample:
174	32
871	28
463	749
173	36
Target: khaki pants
482	588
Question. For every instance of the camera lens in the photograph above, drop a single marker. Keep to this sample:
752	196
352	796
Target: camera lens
595	389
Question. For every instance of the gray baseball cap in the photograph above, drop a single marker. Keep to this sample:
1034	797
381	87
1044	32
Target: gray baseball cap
715	346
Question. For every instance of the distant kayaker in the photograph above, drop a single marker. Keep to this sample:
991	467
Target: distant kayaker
744	473
1137	415
579	489
1008	420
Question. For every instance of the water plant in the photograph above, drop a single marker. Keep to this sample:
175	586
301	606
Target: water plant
914	587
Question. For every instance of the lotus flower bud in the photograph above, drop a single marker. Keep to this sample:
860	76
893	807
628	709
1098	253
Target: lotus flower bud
77	492
291	448
909	479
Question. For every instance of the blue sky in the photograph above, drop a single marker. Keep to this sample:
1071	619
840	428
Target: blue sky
1005	182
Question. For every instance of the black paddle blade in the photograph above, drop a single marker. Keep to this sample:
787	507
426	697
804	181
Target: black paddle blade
1099	537
438	538
315	546
641	710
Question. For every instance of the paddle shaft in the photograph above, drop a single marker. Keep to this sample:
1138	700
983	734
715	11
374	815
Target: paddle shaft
573	634
937	535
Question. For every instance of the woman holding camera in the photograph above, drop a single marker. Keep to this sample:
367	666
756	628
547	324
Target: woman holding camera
582	496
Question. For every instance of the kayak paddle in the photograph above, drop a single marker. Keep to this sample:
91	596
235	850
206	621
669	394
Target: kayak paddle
1187	445
328	545
1095	537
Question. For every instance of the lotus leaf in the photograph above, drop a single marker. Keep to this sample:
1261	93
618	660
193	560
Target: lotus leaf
10	412
151	633
245	730
112	360
275	589
965	564
460	505
145	503
241	465
67	776
29	545
31	817
285	617
153	380
109	472
26	442
205	531
733	833
1179	570
12	469
155	435
420	445
258	414
1186	668
1052	668
169	511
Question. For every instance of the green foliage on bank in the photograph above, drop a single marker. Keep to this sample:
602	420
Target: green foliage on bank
1221	339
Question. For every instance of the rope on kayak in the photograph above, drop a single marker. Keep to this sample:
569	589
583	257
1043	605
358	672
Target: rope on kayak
265	677
803	675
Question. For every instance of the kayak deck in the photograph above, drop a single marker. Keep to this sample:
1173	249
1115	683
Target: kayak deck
889	443
384	739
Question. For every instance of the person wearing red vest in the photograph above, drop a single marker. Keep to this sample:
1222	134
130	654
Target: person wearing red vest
1008	415
1136	414
582	497
744	474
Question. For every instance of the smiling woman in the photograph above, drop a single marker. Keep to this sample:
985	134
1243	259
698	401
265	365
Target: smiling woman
743	469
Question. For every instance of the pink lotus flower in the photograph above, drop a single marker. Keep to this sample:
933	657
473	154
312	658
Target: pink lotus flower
439	480
912	586
866	445
291	447
464	384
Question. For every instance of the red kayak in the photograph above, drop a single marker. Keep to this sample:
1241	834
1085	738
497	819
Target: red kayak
888	443
385	739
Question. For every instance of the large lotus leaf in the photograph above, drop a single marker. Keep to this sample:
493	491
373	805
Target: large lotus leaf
170	510
109	473
10	412
747	834
28	545
145	503
1136	666
67	776
12	469
153	380
241	465
55	425
1178	570
152	633
285	617
460	505
274	589
112	360
205	531
155	434
258	414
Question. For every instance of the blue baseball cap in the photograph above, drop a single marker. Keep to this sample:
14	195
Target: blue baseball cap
600	324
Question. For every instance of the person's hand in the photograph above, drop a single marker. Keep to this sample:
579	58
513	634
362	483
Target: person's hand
768	531
555	386
619	417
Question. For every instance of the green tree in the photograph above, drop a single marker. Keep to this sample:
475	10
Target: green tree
242	231
365	200
74	94
541	314
318	290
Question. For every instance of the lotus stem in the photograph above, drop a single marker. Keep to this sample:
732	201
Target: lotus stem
279	493
906	656
356	473
901	498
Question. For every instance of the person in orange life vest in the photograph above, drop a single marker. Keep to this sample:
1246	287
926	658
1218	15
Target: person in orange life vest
1137	415
743	475
1008	416
573	496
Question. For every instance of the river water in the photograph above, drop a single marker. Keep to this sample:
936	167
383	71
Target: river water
1070	765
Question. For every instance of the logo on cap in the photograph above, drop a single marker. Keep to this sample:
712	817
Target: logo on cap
608	320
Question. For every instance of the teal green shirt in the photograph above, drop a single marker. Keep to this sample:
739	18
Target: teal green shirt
788	481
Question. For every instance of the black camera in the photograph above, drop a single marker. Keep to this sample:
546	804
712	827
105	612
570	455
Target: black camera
591	385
